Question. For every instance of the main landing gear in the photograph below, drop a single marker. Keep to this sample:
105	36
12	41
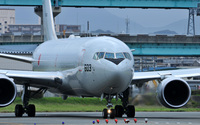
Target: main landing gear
129	110
27	108
119	110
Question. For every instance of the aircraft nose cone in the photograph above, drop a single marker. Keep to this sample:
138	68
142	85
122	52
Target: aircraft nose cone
118	78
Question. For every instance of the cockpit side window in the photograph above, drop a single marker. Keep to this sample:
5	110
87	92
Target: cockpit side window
96	56
101	55
127	55
109	56
119	55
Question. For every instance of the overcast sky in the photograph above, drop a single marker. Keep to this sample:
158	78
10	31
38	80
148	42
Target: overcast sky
144	17
151	17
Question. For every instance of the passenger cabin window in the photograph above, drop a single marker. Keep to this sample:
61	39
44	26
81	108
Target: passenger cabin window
109	56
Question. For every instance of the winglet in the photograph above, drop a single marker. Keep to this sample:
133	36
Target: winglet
48	23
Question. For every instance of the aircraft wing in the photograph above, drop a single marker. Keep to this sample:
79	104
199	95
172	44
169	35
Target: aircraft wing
180	73
18	58
173	91
33	78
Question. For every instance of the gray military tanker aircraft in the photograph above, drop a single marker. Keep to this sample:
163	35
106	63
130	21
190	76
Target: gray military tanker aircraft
87	67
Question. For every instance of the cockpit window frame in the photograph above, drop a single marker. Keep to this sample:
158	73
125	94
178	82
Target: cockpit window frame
110	53
119	53
127	57
97	55
101	56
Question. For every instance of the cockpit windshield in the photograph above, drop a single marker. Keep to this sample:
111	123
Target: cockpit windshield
101	55
108	55
119	55
127	55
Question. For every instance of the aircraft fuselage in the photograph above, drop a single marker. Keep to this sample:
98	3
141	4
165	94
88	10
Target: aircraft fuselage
90	76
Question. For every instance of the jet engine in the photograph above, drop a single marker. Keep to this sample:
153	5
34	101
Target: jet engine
173	92
8	91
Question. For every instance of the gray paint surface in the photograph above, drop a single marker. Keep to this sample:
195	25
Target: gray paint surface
86	118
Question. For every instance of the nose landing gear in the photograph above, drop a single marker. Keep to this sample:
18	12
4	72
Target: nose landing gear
119	110
109	111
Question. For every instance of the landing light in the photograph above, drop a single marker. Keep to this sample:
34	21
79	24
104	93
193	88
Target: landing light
109	111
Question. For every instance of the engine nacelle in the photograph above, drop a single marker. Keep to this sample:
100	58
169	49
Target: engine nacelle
173	92
8	91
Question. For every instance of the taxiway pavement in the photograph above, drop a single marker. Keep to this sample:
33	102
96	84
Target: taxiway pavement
86	118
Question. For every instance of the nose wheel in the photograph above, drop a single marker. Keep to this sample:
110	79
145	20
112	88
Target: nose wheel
109	112
119	110
105	113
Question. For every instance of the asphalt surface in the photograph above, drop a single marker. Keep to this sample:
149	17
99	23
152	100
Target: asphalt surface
87	118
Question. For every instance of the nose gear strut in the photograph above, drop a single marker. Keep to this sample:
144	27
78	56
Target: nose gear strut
109	111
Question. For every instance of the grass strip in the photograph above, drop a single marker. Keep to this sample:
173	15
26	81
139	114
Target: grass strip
75	104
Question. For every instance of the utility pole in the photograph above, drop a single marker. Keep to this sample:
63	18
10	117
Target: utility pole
88	27
191	24
127	25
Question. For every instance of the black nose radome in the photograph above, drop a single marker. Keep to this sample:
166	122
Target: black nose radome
115	61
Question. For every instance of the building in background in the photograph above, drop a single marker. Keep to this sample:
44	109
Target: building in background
21	29
7	17
8	26
68	28
31	29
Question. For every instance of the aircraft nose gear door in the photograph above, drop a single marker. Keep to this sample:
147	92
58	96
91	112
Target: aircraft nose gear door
81	57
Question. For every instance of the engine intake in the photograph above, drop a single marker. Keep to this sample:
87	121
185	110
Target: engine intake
8	91
173	92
